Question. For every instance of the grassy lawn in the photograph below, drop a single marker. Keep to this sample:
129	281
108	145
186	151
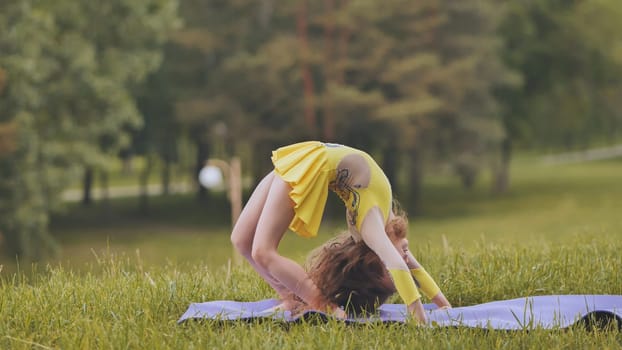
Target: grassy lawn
546	205
124	278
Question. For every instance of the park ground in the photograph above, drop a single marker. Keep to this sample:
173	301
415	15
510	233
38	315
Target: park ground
123	277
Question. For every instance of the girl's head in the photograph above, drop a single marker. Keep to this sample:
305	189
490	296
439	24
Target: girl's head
349	274
397	227
397	230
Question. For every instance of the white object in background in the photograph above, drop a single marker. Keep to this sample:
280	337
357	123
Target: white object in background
210	176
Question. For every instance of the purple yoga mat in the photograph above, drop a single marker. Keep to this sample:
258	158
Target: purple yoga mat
549	311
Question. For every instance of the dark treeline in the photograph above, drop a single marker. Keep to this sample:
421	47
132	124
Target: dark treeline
452	83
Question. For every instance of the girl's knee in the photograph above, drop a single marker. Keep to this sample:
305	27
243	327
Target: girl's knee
242	243
263	257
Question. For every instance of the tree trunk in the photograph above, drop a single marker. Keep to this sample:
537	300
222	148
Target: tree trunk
329	73
202	156
127	159
105	188
501	182
166	177
415	181
261	164
342	49
467	176
87	186
307	78
144	185
389	162
266	10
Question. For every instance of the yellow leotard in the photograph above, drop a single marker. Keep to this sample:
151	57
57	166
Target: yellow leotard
312	168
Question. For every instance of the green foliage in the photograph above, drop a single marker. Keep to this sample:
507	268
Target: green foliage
441	82
374	67
571	72
445	82
69	67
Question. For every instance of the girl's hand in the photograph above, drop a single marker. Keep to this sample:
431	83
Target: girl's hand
418	312
286	305
440	301
329	308
338	313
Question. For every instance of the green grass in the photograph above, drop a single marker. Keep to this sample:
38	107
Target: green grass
119	302
546	204
124	278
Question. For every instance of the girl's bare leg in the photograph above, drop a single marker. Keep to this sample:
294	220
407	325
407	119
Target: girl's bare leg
244	232
278	212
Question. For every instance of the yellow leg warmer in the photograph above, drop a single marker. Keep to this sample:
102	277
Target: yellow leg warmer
405	285
425	282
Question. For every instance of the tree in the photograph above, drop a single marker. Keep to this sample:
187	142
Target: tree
69	66
157	138
424	73
125	60
237	67
571	71
469	46
213	32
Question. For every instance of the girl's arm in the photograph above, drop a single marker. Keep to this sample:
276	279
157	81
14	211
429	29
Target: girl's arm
426	283
374	235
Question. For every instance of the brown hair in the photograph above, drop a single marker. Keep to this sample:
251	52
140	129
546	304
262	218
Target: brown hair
350	275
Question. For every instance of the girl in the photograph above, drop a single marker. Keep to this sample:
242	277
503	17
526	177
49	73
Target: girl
350	275
294	196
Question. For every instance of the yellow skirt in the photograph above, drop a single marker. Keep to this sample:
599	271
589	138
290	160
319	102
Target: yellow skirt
304	167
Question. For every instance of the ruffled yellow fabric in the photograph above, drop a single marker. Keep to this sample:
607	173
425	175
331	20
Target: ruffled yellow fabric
303	167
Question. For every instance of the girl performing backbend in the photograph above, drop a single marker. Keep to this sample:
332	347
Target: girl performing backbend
294	196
